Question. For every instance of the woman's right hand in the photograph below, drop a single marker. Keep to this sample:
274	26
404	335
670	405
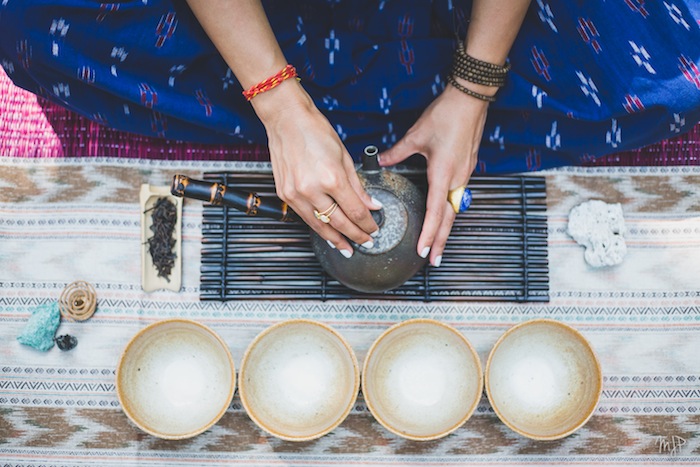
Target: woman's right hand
312	168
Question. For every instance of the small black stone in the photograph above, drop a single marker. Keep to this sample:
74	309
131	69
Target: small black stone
66	342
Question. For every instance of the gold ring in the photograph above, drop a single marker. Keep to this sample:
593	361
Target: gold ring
325	216
460	198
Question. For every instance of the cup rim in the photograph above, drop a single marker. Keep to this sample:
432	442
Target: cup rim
244	363
472	351
587	345
121	396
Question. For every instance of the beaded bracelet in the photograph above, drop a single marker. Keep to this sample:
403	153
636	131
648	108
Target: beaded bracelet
272	82
465	72
469	92
479	66
476	71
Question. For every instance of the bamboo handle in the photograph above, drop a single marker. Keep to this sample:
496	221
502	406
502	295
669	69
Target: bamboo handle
220	195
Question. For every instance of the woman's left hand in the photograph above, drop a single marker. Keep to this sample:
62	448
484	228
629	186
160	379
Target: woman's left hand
447	134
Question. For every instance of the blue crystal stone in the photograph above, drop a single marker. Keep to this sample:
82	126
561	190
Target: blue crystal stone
41	328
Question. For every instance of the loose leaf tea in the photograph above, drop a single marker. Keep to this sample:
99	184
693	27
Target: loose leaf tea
160	245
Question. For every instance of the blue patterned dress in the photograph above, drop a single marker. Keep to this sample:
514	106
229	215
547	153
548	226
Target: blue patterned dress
588	77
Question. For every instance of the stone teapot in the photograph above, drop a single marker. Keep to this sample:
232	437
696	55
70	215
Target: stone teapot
387	265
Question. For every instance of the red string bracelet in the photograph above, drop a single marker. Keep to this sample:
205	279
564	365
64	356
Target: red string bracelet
287	72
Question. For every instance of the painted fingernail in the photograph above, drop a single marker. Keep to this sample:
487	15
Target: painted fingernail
368	244
424	253
437	262
346	253
330	244
376	202
374	234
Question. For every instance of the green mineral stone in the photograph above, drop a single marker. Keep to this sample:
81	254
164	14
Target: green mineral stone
41	328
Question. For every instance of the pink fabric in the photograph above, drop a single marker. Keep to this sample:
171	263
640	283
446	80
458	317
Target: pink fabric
24	128
31	126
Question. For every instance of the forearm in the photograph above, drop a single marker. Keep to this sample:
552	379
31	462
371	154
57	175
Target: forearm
242	34
493	27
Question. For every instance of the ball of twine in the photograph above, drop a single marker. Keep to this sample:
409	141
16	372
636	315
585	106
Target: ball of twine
78	301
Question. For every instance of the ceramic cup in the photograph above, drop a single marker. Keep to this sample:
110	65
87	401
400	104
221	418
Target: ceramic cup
543	379
422	379
299	379
175	379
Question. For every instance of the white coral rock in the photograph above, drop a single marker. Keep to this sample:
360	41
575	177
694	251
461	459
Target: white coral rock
600	227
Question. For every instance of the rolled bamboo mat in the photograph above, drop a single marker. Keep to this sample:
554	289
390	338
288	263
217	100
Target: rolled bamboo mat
497	250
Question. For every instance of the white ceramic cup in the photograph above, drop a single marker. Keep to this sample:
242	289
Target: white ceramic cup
543	379
175	379
422	379
299	379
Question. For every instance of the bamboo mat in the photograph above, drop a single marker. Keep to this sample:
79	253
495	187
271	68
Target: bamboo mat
497	250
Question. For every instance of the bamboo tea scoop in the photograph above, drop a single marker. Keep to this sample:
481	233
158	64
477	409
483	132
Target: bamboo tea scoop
220	195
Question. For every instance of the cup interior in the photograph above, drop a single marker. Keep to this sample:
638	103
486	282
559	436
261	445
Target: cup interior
543	379
422	379
299	380
175	379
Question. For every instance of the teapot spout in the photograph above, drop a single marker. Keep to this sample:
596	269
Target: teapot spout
370	159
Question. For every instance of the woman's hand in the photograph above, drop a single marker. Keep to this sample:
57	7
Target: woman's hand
447	134
449	131
312	168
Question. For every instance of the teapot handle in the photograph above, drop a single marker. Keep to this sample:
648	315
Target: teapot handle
219	194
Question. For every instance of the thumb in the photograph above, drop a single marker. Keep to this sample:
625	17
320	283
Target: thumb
356	184
397	153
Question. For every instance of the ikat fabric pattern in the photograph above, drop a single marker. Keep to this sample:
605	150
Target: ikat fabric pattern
588	77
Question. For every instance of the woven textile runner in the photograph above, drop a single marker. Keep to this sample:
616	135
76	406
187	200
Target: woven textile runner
67	219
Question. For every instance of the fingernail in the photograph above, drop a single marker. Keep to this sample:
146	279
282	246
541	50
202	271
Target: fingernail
346	253
424	253
368	244
438	260
374	234
330	244
376	202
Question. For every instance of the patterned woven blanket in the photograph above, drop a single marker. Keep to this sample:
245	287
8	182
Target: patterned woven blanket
76	219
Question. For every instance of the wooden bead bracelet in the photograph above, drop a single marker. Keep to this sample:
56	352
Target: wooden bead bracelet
476	71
